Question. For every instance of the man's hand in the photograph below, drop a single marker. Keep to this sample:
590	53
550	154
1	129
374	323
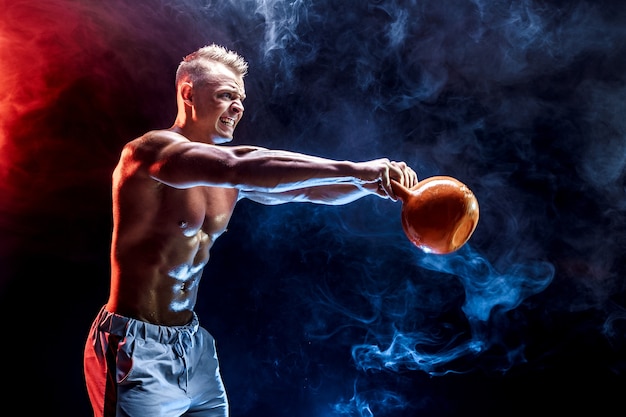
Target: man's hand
388	171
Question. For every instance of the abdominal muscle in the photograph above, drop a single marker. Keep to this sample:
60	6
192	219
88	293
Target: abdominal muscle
155	277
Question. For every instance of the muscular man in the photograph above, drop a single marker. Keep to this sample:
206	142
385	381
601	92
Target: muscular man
174	192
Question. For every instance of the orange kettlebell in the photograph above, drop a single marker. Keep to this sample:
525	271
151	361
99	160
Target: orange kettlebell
439	214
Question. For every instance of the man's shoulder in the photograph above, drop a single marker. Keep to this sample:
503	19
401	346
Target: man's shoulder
159	137
153	141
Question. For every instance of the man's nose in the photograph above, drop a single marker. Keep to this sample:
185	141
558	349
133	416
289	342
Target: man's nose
237	106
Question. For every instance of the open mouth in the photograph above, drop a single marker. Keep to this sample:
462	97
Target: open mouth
227	121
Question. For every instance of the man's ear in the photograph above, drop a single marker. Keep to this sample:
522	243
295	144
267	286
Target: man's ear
186	92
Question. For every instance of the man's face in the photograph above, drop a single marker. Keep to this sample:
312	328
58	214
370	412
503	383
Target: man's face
218	104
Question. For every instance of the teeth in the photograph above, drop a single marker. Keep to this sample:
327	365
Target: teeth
227	121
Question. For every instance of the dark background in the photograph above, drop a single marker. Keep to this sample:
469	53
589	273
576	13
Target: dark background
329	311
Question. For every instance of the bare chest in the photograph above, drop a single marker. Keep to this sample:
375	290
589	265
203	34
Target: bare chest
203	209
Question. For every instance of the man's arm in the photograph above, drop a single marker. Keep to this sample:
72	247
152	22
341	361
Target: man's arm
177	162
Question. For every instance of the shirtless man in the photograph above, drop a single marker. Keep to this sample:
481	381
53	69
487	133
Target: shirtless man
174	192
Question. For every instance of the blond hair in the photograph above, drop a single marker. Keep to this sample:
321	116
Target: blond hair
197	65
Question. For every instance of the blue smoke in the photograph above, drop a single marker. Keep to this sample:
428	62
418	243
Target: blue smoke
489	295
491	92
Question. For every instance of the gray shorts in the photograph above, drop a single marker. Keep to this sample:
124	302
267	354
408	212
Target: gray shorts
133	368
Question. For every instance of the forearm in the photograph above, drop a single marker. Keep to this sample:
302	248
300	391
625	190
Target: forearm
335	194
283	171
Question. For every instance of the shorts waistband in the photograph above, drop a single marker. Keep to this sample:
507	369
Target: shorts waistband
121	326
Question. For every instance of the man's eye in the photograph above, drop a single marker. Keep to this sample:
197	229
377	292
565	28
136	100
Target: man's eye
226	95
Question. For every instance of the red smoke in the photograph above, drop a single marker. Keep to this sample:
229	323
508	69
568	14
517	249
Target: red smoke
75	78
